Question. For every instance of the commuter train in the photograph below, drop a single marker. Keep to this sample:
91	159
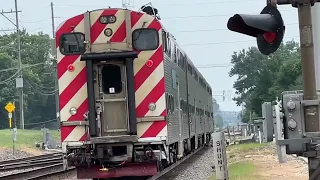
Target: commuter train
131	101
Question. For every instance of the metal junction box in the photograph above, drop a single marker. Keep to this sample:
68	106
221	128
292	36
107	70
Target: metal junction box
293	122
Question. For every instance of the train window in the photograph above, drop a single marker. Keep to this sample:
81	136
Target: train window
174	55
174	79
167	101
196	76
172	103
169	45
164	41
145	39
111	79
72	43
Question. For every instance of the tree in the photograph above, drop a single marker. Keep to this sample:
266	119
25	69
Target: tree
262	78
38	73
218	120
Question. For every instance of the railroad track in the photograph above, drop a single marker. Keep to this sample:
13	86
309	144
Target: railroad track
39	173
32	168
31	162
175	169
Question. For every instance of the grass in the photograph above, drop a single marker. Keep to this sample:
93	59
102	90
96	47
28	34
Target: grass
25	138
239	171
248	147
242	170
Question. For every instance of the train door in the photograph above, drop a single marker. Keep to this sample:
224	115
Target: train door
113	97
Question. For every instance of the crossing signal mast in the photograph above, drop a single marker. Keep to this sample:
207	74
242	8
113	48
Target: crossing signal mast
301	117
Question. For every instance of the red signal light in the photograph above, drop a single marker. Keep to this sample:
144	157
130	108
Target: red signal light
269	37
71	68
149	63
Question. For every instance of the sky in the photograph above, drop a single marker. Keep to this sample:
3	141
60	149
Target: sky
200	27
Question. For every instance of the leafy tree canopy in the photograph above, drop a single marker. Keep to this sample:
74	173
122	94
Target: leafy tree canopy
38	71
218	120
262	78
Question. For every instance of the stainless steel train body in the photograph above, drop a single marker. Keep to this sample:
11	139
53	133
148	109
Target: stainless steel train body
131	101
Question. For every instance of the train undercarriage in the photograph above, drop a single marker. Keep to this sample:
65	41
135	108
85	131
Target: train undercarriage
102	158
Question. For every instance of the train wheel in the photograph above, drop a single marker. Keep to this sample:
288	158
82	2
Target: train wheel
172	156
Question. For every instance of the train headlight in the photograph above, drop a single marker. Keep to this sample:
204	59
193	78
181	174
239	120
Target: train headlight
73	111
152	106
292	124
108	32
112	19
103	19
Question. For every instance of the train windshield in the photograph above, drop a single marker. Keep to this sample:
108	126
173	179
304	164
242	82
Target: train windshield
72	43
145	39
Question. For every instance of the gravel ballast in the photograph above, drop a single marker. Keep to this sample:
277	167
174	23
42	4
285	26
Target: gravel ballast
201	169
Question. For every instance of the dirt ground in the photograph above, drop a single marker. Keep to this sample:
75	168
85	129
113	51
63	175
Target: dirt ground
267	166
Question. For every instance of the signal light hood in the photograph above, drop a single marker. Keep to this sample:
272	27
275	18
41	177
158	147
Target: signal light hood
261	26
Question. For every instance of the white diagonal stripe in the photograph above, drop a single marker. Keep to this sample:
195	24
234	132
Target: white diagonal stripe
75	101
142	127
68	77
149	84
160	106
76	133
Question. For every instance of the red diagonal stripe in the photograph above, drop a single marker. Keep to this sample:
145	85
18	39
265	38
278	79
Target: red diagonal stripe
120	34
82	109
154	129
84	137
66	27
97	27
155	25
145	71
164	113
135	17
73	88
153	96
65	131
64	63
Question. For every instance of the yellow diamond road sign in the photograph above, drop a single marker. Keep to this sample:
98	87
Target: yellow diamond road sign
10	107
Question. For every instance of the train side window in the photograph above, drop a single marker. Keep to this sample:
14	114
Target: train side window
145	39
169	44
174	79
111	79
72	43
167	101
174	54
164	41
172	103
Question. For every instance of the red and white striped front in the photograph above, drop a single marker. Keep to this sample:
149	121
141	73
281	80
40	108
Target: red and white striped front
148	71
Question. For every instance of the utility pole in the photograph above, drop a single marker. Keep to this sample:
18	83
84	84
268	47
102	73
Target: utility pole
316	40
55	58
311	113
19	79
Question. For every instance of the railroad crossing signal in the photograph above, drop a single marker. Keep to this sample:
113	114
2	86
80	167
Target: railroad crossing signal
268	28
10	107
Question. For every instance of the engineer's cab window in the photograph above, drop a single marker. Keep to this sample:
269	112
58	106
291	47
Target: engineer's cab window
111	79
72	43
145	39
